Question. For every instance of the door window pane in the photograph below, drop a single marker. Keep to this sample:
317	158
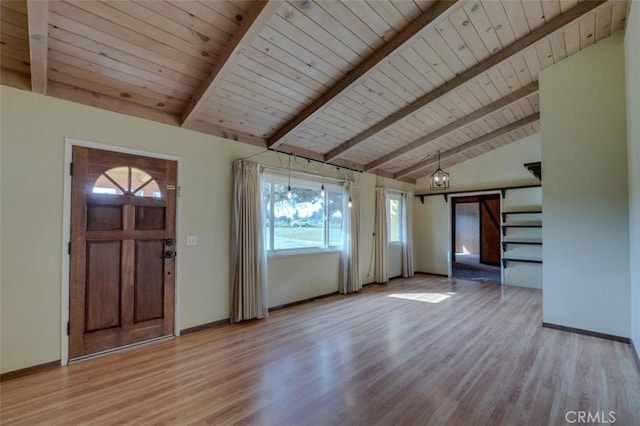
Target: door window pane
127	180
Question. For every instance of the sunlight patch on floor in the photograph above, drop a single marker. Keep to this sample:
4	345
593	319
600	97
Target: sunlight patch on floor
422	297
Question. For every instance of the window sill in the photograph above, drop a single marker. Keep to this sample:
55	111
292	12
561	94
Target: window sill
300	252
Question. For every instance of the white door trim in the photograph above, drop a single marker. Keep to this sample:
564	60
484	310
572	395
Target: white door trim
69	143
449	221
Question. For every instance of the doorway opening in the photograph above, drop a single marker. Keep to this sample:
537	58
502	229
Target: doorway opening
476	238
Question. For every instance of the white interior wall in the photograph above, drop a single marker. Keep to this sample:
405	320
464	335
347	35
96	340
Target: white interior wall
33	129
584	168
632	55
431	220
306	280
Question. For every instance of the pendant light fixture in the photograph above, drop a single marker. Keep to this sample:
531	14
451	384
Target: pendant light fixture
439	180
289	194
322	177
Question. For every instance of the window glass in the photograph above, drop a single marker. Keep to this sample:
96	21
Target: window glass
303	217
113	181
127	180
334	217
394	218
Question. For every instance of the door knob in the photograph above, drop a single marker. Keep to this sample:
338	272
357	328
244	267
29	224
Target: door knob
169	242
169	254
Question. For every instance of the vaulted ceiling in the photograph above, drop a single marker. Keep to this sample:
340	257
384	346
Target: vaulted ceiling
379	86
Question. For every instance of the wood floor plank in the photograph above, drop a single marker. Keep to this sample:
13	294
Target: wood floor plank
425	350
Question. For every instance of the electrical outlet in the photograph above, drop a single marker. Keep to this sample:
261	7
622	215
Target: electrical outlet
192	240
507	271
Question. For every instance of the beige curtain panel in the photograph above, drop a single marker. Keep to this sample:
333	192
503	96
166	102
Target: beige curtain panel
381	266
407	238
350	270
248	257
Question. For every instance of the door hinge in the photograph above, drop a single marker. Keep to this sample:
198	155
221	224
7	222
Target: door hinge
68	328
71	169
69	248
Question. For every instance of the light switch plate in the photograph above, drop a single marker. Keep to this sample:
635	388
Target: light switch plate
192	240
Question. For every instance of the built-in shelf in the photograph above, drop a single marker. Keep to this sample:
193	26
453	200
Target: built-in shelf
522	224
523	211
523	241
512	259
535	169
520	240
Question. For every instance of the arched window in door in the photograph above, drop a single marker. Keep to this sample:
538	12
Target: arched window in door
127	180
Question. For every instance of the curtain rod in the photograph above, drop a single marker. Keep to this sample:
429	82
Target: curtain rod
284	170
397	191
314	160
291	154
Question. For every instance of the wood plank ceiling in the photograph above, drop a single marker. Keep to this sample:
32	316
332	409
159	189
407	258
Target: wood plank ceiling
378	86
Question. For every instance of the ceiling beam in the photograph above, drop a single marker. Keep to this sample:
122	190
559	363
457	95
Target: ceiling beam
517	46
86	97
226	133
468	145
38	23
248	31
360	72
449	128
389	175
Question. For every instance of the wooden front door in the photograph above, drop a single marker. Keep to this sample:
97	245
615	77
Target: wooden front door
122	271
490	230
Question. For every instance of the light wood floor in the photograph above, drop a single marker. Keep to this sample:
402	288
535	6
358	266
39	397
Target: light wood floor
427	350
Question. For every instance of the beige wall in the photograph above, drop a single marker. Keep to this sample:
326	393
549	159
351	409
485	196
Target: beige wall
33	129
632	51
586	213
501	167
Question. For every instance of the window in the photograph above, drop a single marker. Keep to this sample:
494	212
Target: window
127	180
308	219
394	218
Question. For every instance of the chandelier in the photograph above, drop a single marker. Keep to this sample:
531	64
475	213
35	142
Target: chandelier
439	180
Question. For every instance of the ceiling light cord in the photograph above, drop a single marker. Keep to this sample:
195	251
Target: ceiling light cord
289	194
322	180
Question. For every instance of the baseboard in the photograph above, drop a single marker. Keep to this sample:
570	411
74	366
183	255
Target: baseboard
205	326
635	353
300	302
29	370
587	332
430	273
